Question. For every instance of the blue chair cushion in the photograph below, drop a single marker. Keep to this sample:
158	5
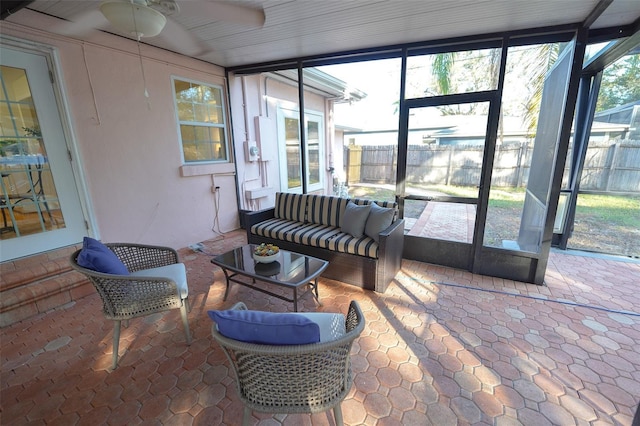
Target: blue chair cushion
98	257
267	328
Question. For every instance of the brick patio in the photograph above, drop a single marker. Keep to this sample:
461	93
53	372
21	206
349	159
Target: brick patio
441	346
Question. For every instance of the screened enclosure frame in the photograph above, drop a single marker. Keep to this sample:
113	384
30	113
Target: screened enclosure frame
502	262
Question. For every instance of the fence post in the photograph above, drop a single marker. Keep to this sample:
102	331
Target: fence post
612	166
446	182
519	168
394	159
354	160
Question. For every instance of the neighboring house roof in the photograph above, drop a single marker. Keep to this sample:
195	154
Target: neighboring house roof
622	114
468	126
322	83
346	129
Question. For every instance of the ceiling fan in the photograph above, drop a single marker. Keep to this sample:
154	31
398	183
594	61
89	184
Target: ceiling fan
151	18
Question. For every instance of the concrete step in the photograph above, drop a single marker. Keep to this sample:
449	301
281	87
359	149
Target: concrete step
36	284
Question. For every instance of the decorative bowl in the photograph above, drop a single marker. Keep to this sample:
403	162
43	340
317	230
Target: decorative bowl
266	253
265	259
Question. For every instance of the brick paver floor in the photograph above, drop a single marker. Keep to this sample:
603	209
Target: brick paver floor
441	347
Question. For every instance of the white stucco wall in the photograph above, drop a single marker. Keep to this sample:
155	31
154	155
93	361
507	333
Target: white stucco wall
129	146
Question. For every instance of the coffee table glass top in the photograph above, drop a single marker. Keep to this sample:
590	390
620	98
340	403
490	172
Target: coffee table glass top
289	268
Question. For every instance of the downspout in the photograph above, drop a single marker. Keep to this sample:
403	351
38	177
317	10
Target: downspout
245	112
303	136
244	108
329	143
263	164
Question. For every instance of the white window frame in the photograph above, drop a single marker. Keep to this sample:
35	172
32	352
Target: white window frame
223	125
309	115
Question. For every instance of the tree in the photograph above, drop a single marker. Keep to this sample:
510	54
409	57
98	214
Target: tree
441	71
537	63
620	83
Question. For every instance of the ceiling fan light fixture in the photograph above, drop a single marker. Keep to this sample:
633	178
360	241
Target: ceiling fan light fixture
148	22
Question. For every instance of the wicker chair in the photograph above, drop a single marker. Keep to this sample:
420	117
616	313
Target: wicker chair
294	378
130	296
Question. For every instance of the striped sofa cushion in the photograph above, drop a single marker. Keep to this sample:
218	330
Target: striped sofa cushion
325	209
291	206
313	234
346	243
275	228
310	234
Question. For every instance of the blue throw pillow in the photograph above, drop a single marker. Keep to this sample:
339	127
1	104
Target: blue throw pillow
266	328
379	219
98	257
354	219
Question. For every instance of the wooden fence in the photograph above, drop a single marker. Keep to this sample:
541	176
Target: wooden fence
608	166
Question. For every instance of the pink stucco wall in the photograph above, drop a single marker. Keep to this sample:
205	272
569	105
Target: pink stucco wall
129	146
260	95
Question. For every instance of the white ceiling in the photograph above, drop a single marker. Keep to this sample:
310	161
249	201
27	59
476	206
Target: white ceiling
297	28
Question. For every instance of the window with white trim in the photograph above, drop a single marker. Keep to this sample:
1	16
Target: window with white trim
201	117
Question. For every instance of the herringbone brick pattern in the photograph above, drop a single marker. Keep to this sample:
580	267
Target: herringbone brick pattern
441	347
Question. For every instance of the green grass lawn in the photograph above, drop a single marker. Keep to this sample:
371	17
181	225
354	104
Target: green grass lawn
622	210
607	224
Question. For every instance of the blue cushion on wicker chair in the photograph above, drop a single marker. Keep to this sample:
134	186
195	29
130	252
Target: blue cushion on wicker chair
267	328
98	257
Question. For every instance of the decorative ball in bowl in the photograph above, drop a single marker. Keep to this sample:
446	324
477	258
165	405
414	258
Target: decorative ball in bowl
266	253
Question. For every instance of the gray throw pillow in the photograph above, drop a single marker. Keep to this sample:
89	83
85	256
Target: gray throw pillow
354	219
379	219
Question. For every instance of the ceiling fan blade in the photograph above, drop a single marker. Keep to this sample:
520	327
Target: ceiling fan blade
81	24
182	41
245	15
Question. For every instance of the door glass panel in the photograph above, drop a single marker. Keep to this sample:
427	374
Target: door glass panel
292	147
607	217
29	203
445	149
528	138
313	151
444	166
293	169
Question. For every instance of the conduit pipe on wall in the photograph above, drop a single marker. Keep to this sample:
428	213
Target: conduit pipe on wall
263	164
245	111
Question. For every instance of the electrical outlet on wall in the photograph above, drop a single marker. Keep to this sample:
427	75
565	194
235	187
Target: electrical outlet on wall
251	151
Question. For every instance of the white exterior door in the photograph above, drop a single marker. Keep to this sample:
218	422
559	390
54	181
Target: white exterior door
290	150
39	202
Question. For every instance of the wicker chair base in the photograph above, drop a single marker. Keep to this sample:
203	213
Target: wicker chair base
295	378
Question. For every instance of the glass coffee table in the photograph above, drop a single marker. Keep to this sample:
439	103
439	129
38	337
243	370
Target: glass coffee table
290	270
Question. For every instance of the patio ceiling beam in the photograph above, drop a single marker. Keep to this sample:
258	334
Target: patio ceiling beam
596	12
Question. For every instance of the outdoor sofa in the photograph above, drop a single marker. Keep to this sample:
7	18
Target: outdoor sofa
361	239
